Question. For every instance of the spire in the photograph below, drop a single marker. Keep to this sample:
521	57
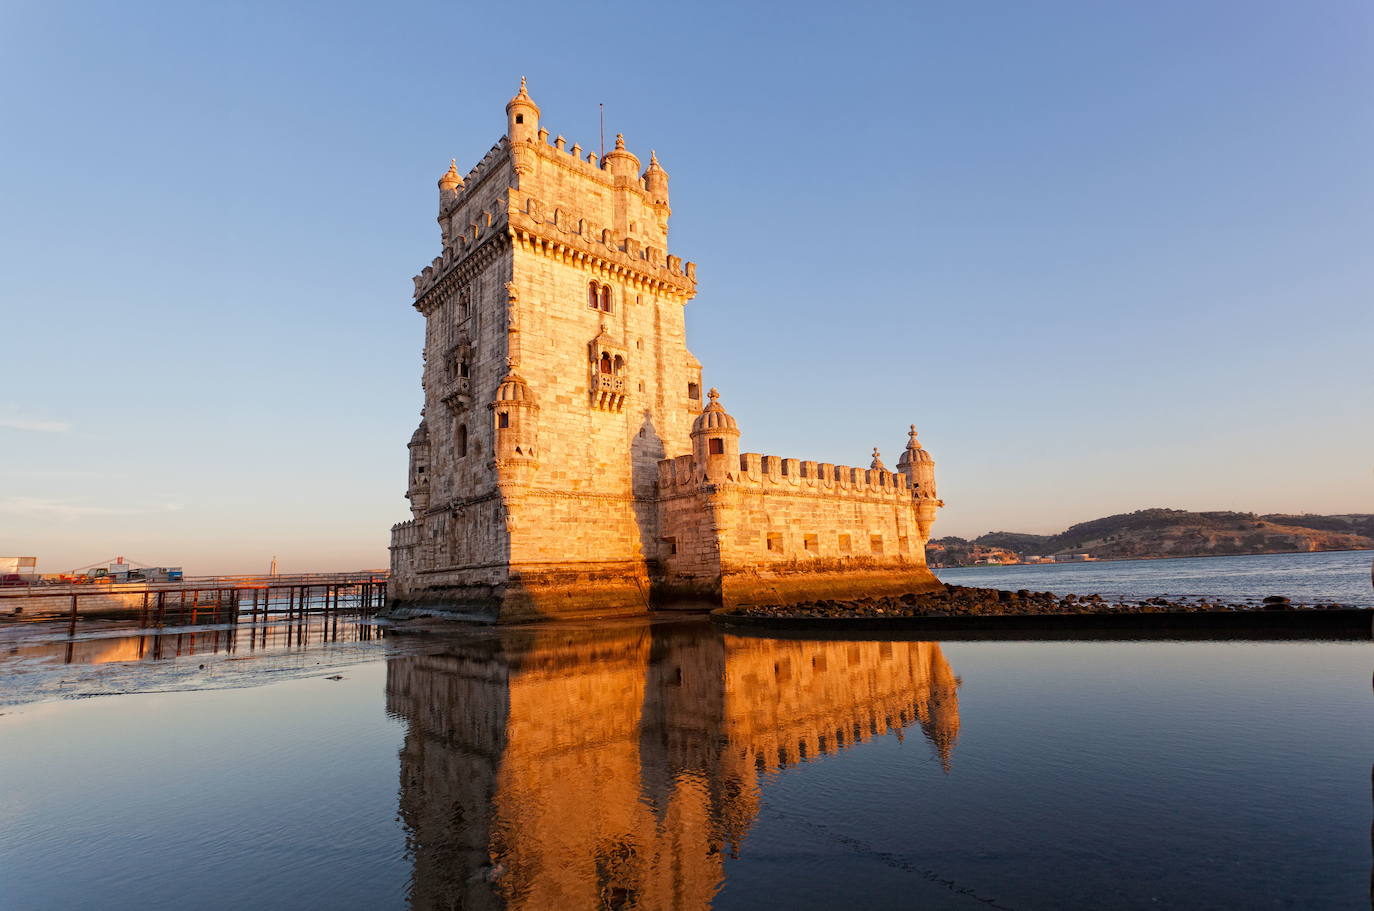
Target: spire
911	439
451	179
620	140
877	463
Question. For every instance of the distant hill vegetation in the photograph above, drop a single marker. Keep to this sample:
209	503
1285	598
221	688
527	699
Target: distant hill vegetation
1177	533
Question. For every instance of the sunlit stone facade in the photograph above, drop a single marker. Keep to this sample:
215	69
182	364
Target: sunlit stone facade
564	463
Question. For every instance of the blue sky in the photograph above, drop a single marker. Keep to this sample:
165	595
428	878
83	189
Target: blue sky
1106	256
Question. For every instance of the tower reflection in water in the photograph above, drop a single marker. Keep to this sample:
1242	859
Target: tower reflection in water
617	768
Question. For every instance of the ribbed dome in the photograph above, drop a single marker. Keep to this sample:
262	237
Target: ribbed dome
451	179
514	389
714	417
621	157
654	167
914	452
522	97
421	435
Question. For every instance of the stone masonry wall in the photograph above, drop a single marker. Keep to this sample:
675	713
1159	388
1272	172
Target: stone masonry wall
782	529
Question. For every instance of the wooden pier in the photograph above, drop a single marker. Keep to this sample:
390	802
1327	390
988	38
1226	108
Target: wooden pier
203	600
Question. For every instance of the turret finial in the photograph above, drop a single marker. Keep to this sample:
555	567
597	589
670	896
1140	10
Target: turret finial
522	83
877	461
713	394
653	157
620	140
911	439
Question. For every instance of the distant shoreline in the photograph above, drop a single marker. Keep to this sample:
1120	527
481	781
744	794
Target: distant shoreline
1269	553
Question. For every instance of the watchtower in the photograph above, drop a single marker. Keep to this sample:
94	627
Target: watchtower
556	376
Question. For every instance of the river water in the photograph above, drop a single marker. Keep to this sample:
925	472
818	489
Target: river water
1342	577
664	764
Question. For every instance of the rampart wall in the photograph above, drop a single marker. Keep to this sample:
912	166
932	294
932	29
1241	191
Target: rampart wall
780	530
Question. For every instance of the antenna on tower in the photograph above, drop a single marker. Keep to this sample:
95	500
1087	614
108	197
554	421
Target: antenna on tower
601	153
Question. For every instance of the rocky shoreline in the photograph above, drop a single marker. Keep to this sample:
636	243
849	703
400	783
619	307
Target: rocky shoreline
962	601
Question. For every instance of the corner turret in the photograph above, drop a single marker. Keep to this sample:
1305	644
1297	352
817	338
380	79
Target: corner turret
715	440
514	416
450	185
418	490
522	116
621	162
656	182
919	469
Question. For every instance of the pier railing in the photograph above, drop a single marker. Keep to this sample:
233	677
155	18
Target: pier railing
188	583
204	599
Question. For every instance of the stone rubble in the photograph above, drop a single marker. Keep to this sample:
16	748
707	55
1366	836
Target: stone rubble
961	601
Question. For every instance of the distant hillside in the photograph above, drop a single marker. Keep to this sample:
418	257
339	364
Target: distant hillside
1175	533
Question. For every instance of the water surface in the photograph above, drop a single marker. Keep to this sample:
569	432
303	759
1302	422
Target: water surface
666	765
1342	577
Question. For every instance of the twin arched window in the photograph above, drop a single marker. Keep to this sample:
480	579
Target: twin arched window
599	297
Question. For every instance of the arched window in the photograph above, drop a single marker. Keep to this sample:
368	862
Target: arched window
606	298
606	366
460	443
619	364
593	295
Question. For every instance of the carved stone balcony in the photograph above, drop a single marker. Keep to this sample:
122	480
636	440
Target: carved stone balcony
608	391
457	394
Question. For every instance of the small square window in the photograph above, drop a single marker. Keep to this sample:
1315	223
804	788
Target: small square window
875	543
775	541
503	419
846	544
811	543
671	544
716	446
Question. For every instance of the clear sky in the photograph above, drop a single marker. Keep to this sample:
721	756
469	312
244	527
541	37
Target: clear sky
1106	256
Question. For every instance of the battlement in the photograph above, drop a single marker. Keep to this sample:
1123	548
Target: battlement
405	534
564	233
534	222
684	474
483	227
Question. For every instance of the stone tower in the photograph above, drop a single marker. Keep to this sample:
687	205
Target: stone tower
556	376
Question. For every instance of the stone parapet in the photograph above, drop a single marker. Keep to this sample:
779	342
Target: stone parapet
683	474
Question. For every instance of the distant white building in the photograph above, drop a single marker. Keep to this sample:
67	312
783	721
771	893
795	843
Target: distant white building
1072	558
24	568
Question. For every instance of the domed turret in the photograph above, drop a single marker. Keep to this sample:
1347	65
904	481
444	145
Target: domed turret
918	467
451	179
656	181
417	492
620	161
514	417
522	116
715	440
450	185
514	389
